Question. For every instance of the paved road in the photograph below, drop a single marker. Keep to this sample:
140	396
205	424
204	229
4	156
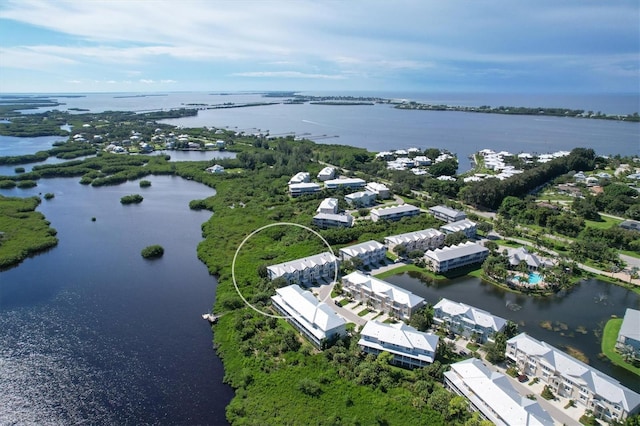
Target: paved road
325	292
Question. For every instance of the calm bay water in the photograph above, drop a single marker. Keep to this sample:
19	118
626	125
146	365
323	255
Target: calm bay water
92	332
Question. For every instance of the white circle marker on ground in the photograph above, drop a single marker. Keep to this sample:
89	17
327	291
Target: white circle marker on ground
233	264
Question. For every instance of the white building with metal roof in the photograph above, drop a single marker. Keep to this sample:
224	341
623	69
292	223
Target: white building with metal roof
326	174
394	212
381	295
370	252
492	395
333	220
466	226
328	205
298	189
570	378
305	271
300	177
629	334
448	258
409	347
426	239
467	320
345	183
447	214
313	318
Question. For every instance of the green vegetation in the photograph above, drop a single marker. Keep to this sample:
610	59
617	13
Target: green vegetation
49	195
19	169
131	199
608	344
23	184
24	231
145	183
152	252
546	393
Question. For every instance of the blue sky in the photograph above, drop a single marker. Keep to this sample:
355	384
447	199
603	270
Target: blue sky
541	46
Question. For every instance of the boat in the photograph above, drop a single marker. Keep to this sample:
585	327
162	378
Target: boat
210	317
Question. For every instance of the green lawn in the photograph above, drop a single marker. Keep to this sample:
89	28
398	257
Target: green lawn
363	312
609	337
606	223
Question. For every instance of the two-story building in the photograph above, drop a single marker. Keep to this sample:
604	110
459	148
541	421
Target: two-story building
452	257
410	348
328	205
379	189
333	220
381	295
300	177
361	199
298	189
466	320
313	318
369	252
306	271
327	173
629	334
570	378
447	214
394	212
352	183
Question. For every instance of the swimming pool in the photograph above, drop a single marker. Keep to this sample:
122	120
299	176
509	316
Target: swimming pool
534	278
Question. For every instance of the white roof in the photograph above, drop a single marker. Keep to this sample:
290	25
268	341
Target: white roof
447	211
459	226
328	204
300	177
304	185
383	288
578	372
360	194
301	264
471	314
456	251
517	255
487	389
388	211
425	234
335	217
345	181
631	324
327	171
365	247
399	339
315	316
375	186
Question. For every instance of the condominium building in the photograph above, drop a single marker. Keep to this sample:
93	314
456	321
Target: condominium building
447	214
427	239
379	189
306	270
629	334
361	199
394	212
521	254
381	295
569	378
298	189
331	220
300	177
457	256
369	252
466	226
326	174
409	347
491	394
354	183
328	205
316	320
467	320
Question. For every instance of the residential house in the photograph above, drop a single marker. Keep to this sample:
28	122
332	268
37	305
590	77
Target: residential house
447	214
361	199
569	378
333	220
448	258
381	295
369	252
466	226
215	169
298	189
326	174
466	320
630	225
492	395
629	334
410	348
328	205
300	177
427	239
307	270
379	189
394	212
314	319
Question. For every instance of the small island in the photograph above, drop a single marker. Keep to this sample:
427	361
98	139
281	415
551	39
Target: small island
131	199
152	252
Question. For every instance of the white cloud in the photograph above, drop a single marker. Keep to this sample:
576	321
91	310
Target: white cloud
287	74
146	81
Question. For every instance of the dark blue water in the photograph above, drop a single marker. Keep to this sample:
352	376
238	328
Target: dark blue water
90	332
577	315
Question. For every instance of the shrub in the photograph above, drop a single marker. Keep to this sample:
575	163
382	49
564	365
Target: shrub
152	252
145	184
7	184
129	199
19	169
27	184
547	394
49	195
309	387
